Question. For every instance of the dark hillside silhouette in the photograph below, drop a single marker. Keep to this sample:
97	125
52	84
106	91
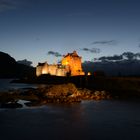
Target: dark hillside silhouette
9	68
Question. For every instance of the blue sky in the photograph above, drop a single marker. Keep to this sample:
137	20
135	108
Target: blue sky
31	28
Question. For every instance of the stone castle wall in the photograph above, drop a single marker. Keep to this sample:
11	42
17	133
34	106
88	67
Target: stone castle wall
74	63
71	64
50	69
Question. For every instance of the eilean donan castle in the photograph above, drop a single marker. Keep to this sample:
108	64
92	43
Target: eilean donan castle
70	64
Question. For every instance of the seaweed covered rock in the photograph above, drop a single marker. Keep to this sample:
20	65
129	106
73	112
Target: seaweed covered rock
62	90
63	93
86	94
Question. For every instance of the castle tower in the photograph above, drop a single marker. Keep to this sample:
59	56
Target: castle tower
73	62
39	69
42	68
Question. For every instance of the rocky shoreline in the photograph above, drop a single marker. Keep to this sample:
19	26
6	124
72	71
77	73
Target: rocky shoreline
62	93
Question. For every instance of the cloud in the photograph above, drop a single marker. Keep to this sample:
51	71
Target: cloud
111	58
56	54
123	56
77	14
105	42
93	50
129	55
25	62
37	39
137	55
7	5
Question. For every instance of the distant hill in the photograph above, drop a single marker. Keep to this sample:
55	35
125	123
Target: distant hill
127	64
9	68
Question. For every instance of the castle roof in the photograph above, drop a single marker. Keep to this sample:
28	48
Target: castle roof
42	64
74	54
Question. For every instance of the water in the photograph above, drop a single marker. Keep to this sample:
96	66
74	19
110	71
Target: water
5	85
89	120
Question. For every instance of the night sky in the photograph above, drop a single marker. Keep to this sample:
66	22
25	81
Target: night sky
40	30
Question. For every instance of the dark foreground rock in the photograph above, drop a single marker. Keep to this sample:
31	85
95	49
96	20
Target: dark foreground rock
10	105
63	93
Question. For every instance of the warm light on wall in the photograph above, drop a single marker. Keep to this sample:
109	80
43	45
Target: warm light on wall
71	63
88	73
44	71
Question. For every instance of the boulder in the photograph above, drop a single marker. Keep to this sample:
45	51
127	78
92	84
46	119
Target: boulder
63	90
10	105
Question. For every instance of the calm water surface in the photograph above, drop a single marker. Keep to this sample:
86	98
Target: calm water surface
89	120
6	85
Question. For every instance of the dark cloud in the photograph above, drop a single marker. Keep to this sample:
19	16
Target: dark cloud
7	5
25	62
137	55
56	54
123	56
93	50
37	39
104	42
77	14
111	58
129	55
10	4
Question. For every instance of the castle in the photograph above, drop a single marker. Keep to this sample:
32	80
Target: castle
70	64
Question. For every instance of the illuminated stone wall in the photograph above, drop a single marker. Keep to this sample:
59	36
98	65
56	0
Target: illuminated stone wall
38	70
71	63
61	72
45	68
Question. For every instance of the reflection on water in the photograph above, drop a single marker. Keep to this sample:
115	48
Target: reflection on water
5	85
89	120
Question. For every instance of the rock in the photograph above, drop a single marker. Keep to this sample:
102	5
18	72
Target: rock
63	93
97	93
62	90
11	105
